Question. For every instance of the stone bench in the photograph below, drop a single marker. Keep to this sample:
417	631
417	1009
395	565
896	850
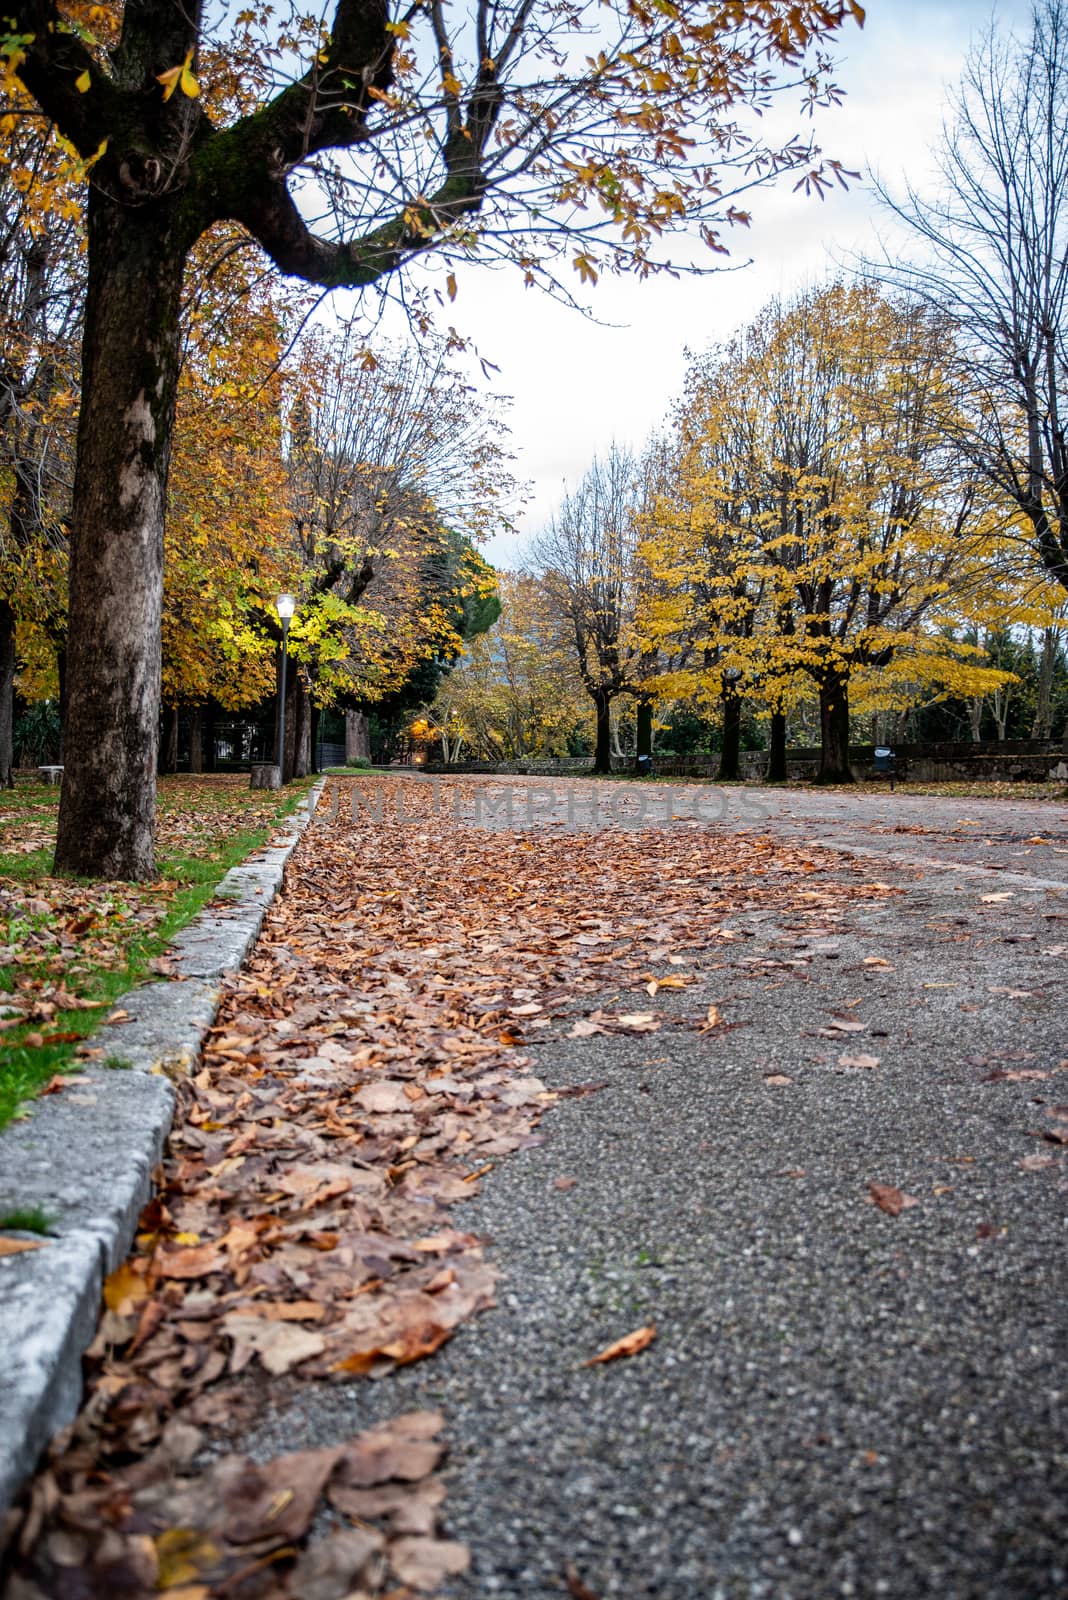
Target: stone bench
51	774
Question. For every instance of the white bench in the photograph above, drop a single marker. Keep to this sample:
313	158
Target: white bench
51	774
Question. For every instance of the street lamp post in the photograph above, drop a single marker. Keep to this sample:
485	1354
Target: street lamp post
285	606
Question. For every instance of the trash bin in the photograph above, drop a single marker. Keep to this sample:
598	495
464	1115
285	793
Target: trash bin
645	766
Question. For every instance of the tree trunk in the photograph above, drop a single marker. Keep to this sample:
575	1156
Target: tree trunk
644	722
729	761
1042	728
602	758
130	357
357	736
302	742
316	719
196	739
834	731
7	693
777	772
168	745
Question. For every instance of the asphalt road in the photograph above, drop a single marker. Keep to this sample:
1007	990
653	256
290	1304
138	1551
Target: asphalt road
839	1401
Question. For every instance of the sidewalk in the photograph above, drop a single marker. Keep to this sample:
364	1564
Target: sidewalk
851	1390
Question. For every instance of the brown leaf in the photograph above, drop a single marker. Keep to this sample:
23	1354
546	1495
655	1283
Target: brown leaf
188	1261
563	1184
629	1345
858	1061
331	1567
575	1586
424	1564
892	1201
279	1345
405	1448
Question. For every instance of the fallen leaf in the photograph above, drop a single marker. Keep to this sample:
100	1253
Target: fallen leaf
280	1346
424	1564
563	1184
629	1345
16	1247
858	1061
575	1586
892	1201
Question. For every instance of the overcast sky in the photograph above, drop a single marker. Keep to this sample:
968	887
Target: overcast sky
576	385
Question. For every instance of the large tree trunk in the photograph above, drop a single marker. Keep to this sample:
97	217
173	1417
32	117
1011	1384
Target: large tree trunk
777	772
357	736
130	355
834	731
729	761
7	693
602	758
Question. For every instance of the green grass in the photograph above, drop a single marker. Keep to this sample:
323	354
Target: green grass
28	1064
28	1219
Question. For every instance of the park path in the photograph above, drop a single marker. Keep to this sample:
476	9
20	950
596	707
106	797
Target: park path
839	1400
809	1126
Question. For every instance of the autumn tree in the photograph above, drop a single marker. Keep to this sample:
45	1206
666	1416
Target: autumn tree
993	254
587	560
228	548
396	466
549	130
516	690
822	526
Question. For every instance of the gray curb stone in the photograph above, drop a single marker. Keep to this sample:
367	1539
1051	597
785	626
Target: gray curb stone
86	1158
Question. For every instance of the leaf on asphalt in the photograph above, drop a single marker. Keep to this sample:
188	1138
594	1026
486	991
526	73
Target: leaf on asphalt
858	1061
564	1184
425	1564
892	1201
778	1080
405	1448
993	899
1038	1163
575	1586
331	1568
630	1345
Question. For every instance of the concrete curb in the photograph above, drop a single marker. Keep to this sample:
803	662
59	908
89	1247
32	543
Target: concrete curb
86	1157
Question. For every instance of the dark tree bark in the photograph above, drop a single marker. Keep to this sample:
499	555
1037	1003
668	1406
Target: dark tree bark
357	736
130	372
602	704
316	719
730	758
302	743
777	772
834	731
7	693
168	747
644	727
196	739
